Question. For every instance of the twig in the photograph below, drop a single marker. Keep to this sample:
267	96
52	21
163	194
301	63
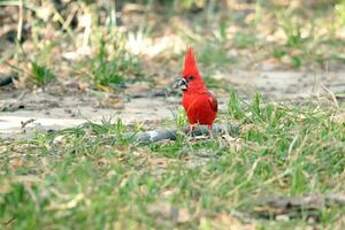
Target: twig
25	123
67	22
334	98
20	22
63	21
9	221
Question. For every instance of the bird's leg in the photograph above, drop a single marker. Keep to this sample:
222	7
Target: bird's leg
210	131
191	128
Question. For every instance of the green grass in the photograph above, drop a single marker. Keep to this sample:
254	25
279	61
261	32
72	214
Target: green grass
113	65
41	75
82	178
244	40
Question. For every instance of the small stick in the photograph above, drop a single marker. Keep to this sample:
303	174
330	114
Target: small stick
20	21
334	98
25	123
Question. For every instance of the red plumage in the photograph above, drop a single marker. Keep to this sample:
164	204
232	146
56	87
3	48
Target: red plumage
199	103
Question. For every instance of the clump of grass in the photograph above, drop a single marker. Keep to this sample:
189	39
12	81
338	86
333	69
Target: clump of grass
340	12
214	56
41	75
181	118
113	67
244	40
234	105
279	52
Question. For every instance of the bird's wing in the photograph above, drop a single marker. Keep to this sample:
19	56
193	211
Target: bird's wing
213	101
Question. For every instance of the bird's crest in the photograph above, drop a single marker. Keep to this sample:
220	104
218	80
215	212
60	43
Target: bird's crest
190	66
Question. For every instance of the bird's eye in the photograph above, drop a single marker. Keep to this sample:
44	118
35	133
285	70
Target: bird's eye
190	78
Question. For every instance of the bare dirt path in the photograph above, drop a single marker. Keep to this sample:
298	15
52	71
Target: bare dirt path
23	113
30	114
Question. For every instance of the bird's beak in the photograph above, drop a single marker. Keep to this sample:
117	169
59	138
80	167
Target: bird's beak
182	84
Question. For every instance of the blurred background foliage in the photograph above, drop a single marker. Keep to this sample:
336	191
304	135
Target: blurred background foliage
108	44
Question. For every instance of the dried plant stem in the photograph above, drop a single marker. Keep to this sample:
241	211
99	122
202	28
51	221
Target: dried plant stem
20	21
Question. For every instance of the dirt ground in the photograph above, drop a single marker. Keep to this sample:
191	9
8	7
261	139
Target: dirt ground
23	112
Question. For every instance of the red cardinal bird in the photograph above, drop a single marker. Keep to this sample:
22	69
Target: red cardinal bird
199	103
